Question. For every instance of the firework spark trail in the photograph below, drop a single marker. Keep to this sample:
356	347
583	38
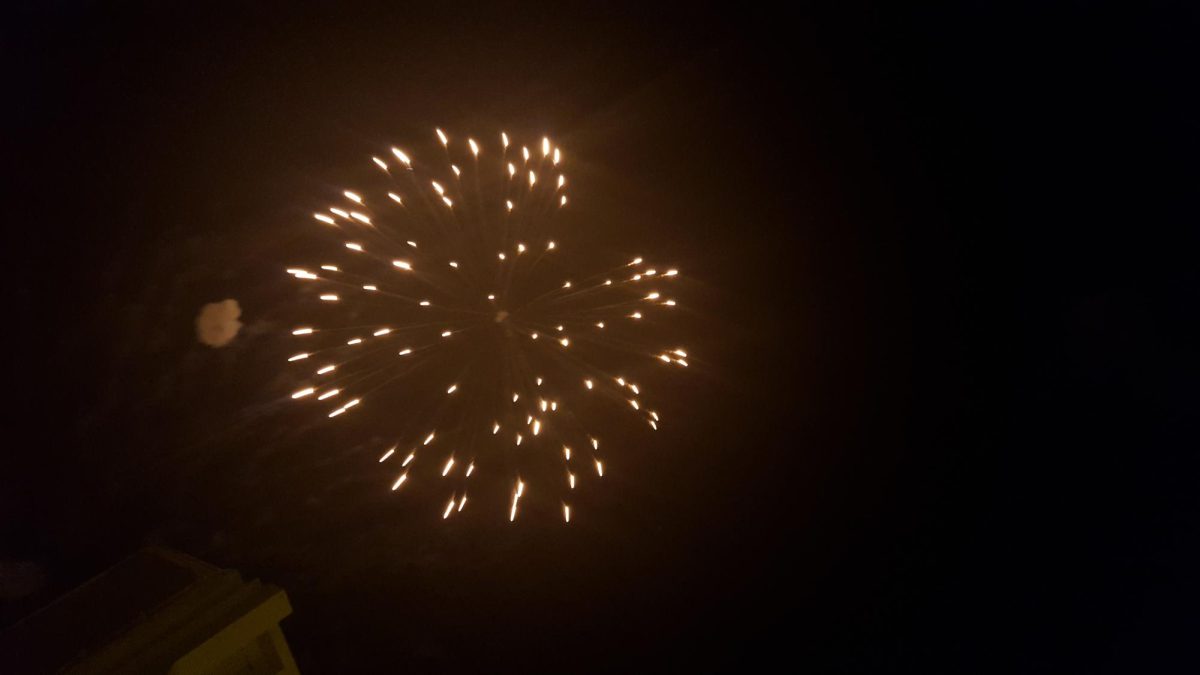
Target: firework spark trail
453	256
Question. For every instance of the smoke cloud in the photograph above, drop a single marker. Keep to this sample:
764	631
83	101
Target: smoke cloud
217	323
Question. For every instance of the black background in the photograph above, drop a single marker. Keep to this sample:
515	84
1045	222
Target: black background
941	265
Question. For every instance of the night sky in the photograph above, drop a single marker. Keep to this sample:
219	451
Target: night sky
941	288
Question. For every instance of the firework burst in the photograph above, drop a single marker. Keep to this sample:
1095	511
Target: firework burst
446	297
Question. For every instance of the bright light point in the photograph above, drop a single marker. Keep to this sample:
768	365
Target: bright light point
653	425
331	268
448	202
449	508
539	382
326	369
438	187
455	170
563	201
353	341
635	315
474	147
543	405
387	454
681	362
302	331
664	358
636	277
520	248
634	388
463	502
565	342
452	389
537	426
369	287
562	180
504	138
608	282
382	331
329	394
495	428
509	204
339	212
515	397
351	404
652	296
671	273
399	481
566	513
442	136
556	157
588	384
329	297
410	458
491	297
424	303
401	156
402	264
360	217
449	464
679	352
429	438
454	264
599	469
512	171
396	198
405	352
566	284
532	179
353	197
380	163
297	357
337	412
545	146
633	403
323	218
595	442
354	247
599	324
669	303
650	273
533	336
550	246
653	414
470	470
411	243
500	255
303	392
571	480
518	439
447	333
567	452
525	153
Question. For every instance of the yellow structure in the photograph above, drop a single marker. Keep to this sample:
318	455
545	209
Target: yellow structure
158	611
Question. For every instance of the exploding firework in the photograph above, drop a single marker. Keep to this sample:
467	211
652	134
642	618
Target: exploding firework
447	297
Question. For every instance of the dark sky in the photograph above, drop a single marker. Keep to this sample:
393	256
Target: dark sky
941	272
